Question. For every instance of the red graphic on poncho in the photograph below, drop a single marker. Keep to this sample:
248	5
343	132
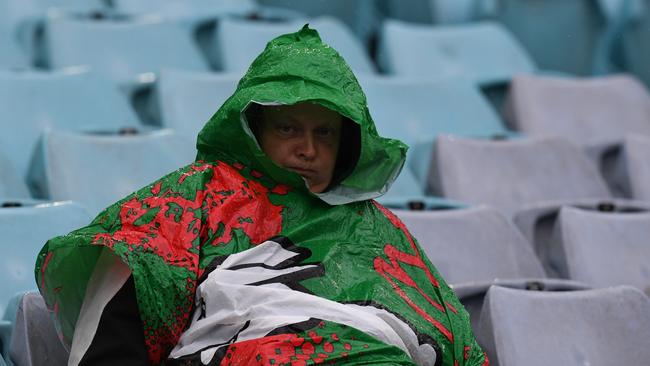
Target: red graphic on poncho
287	349
174	227
392	270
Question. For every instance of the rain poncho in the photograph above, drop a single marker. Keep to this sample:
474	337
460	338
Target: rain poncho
235	262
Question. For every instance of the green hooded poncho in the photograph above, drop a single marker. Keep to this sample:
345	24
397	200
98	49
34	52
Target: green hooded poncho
310	253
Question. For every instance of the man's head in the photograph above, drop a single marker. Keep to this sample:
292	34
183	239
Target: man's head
303	138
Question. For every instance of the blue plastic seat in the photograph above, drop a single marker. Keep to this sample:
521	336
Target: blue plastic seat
181	8
484	52
122	48
72	99
11	185
188	99
26	226
361	16
634	40
240	41
417	111
99	169
568	36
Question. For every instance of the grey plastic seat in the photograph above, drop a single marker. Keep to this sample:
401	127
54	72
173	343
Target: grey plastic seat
188	99
415	111
122	48
240	41
34	340
484	52
604	249
71	99
593	113
25	227
473	244
98	169
474	248
600	327
513	174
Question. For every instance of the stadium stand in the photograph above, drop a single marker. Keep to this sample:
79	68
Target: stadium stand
71	99
98	169
183	8
603	248
122	48
241	40
484	52
596	327
188	99
590	25
34	340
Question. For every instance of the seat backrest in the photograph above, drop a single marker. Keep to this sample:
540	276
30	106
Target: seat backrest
25	230
122	49
512	174
188	99
586	111
97	170
240	41
485	52
416	111
543	26
606	249
636	151
600	327
73	99
472	244
183	7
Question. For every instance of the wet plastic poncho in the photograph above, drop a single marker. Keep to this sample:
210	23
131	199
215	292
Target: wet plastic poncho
296	278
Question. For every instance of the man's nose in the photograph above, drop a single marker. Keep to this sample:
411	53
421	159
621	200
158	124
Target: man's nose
307	147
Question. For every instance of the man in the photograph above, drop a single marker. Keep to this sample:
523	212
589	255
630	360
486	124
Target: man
267	250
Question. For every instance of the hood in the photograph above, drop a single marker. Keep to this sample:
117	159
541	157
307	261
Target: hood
294	68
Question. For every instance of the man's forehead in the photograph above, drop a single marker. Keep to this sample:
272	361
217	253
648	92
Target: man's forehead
302	111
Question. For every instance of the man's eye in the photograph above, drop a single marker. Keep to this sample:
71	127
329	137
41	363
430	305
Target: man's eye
325	132
285	129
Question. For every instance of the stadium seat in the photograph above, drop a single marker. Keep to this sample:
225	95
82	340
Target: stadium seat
72	99
34	340
512	174
484	52
592	113
462	11
473	244
571	36
360	15
26	226
407	194
599	327
181	8
604	249
476	247
11	185
188	99
537	223
122	48
635	48
415	111
98	169
240	41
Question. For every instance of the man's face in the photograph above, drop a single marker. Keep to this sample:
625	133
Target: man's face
303	138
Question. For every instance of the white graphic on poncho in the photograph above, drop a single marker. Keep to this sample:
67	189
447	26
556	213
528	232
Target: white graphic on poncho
256	291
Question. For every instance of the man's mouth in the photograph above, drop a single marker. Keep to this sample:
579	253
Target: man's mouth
305	172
